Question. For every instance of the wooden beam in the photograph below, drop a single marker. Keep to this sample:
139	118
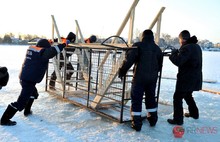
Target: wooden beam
156	18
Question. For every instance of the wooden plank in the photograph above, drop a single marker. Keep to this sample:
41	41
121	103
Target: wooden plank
99	46
205	80
211	91
108	81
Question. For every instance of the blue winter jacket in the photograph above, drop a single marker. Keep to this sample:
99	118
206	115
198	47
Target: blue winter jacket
36	62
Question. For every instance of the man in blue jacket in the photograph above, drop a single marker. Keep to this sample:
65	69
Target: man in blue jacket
147	60
32	72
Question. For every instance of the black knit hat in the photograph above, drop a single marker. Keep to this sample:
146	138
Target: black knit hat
92	39
71	37
184	35
148	34
43	43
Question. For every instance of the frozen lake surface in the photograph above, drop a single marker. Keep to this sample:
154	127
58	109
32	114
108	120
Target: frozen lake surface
56	120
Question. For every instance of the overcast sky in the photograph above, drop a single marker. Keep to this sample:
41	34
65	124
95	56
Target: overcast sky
104	17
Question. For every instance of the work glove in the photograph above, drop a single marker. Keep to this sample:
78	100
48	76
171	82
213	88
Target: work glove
121	74
50	41
66	43
55	40
121	77
174	51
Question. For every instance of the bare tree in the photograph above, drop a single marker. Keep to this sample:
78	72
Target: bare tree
7	39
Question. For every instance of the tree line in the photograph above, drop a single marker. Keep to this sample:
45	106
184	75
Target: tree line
22	39
165	40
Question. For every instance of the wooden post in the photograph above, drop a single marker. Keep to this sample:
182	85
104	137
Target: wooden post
79	31
157	20
126	19
120	30
131	28
157	39
56	28
57	64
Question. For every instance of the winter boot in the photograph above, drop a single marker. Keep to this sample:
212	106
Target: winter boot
27	109
152	118
174	122
81	77
193	116
136	122
52	85
7	115
52	81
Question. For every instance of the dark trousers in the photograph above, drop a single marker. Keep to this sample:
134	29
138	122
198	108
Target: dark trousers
68	75
178	105
137	93
28	91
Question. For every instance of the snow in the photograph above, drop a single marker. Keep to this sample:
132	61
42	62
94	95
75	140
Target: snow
57	120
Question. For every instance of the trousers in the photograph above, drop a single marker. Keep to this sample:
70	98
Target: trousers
137	93
178	104
28	91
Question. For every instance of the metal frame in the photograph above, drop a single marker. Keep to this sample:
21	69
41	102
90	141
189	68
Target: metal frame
100	91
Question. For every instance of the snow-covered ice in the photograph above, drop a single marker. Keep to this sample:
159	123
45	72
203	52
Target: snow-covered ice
56	120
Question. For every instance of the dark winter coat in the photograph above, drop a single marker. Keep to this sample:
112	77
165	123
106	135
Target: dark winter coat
36	62
189	62
4	76
146	58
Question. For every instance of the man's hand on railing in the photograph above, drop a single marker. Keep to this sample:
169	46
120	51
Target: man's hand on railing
121	74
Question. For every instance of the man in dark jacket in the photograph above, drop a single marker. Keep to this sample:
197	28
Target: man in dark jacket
147	60
188	59
70	37
33	71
